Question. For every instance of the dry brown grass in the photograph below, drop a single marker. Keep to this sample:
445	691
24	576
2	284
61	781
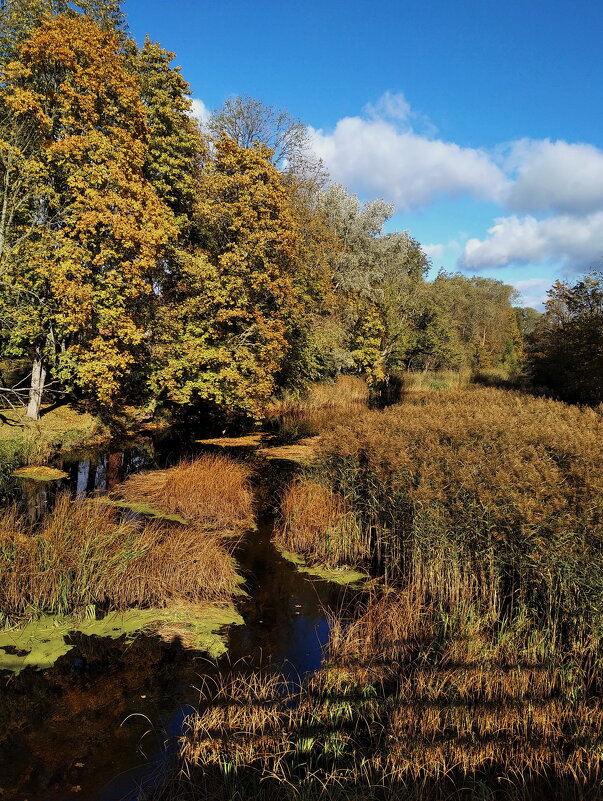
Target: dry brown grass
212	491
317	523
476	671
480	486
408	698
345	392
85	553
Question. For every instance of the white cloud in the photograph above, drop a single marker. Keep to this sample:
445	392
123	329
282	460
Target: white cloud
380	155
375	158
434	251
391	151
569	240
533	291
555	176
438	250
392	106
199	110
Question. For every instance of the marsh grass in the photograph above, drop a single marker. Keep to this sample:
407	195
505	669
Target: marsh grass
317	523
345	391
84	554
410	704
211	491
475	670
433	380
321	407
479	488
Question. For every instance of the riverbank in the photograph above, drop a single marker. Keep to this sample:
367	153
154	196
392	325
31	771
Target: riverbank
473	671
24	441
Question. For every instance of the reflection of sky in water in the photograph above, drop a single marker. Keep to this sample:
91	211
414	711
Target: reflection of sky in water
83	471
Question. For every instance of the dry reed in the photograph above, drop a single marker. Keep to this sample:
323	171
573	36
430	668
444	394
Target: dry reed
84	553
345	392
212	491
481	489
409	705
316	523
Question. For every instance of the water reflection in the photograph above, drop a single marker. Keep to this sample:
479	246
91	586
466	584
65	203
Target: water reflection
61	732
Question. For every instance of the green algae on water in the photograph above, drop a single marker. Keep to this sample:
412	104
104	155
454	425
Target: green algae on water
39	643
40	473
142	508
338	575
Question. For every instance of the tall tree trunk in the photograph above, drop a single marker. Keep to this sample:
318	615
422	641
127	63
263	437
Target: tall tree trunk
38	379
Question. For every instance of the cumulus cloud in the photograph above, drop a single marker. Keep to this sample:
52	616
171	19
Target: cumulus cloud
391	151
555	176
569	240
380	155
199	110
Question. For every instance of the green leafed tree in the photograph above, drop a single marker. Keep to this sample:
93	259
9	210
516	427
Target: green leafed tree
222	326
567	343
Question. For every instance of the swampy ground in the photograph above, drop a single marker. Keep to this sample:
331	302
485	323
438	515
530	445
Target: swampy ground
102	720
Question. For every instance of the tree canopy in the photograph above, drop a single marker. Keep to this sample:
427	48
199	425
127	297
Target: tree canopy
148	260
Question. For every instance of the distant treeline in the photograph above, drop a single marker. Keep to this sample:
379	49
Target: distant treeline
566	346
148	259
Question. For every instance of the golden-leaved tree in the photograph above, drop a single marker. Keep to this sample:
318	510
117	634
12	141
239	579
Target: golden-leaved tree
81	259
222	330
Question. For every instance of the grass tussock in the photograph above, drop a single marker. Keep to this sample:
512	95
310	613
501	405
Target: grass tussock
211	492
317	523
86	554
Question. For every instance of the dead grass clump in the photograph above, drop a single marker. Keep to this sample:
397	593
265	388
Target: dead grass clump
85	554
317	523
212	491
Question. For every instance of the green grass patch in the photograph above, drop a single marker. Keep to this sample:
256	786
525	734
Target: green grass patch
25	441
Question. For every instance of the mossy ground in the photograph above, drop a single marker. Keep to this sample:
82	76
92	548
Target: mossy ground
39	643
25	441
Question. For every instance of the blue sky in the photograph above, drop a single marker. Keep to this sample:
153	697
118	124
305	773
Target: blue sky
481	120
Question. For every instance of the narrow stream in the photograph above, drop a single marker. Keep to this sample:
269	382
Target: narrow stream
98	724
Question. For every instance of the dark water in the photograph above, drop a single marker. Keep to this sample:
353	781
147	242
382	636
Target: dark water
103	719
